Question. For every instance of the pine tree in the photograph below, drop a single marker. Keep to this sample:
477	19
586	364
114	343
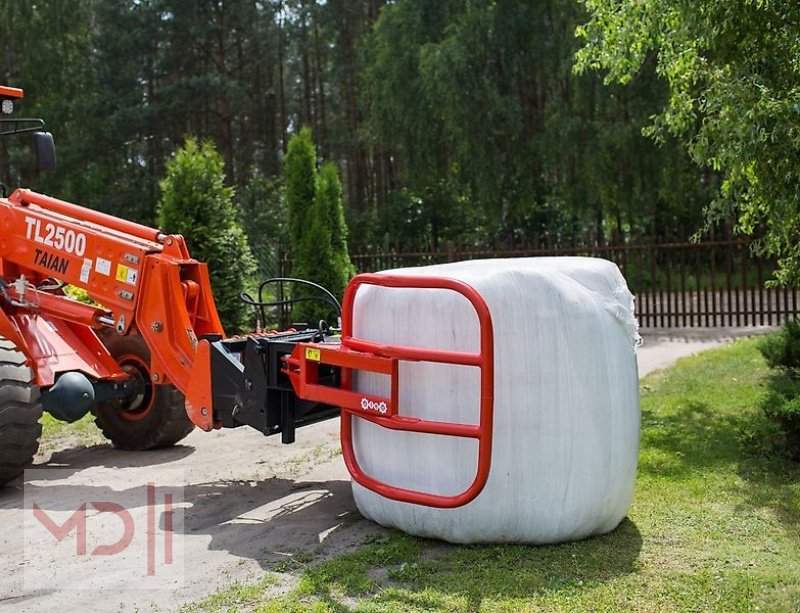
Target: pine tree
317	227
196	204
301	183
330	207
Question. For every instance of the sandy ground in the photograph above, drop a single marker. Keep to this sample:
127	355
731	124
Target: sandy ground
248	503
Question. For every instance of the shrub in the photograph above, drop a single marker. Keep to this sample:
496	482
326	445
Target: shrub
314	262
317	228
79	294
301	184
782	350
196	204
781	405
330	208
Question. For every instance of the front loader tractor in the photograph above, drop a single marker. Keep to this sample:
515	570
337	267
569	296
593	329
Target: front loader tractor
153	362
133	361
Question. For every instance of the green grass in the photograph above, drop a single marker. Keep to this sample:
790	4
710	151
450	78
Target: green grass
58	434
714	526
235	596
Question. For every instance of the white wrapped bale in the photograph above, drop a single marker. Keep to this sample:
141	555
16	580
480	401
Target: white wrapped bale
566	401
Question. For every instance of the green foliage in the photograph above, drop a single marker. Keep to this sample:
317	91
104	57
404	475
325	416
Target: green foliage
494	128
450	121
263	215
79	294
782	349
733	75
314	261
781	405
58	435
782	402
300	170
196	204
317	227
329	206
49	63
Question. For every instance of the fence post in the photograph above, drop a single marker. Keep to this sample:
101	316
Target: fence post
451	251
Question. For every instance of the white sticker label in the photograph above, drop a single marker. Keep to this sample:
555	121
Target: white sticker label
85	270
103	266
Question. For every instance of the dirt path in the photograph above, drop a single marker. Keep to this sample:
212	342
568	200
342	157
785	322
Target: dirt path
249	504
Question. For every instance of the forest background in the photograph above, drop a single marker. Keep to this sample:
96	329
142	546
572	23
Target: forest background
453	121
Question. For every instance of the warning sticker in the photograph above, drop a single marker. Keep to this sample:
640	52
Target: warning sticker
85	270
312	354
126	275
103	266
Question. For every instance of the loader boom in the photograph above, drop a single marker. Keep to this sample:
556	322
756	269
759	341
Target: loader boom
144	279
148	285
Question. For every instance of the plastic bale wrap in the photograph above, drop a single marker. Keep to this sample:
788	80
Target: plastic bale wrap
566	401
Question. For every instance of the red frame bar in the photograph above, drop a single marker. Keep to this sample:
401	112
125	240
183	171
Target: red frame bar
359	354
25	197
10	92
483	360
303	370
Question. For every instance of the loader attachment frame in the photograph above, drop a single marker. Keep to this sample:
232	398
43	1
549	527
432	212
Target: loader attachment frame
355	354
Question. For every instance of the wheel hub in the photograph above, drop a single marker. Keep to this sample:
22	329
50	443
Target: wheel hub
141	401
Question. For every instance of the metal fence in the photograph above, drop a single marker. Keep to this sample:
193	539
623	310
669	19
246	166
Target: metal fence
717	282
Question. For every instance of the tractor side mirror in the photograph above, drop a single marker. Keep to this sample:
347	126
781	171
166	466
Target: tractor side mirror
45	151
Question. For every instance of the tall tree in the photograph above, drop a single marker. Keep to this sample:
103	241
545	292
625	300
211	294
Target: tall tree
449	121
196	204
316	226
301	184
734	93
330	208
263	211
499	143
50	65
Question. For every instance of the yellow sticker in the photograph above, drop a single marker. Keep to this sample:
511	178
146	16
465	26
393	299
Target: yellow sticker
126	274
312	354
122	273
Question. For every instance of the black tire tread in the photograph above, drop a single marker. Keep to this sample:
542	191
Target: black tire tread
20	412
168	424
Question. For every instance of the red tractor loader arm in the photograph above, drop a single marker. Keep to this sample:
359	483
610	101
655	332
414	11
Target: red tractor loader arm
158	327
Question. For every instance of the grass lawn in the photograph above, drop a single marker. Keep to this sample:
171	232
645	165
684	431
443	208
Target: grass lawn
59	435
713	527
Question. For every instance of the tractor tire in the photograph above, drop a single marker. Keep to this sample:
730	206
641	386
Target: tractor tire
20	412
154	418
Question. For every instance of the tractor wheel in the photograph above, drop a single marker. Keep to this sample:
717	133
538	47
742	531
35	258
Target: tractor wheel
154	417
20	412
